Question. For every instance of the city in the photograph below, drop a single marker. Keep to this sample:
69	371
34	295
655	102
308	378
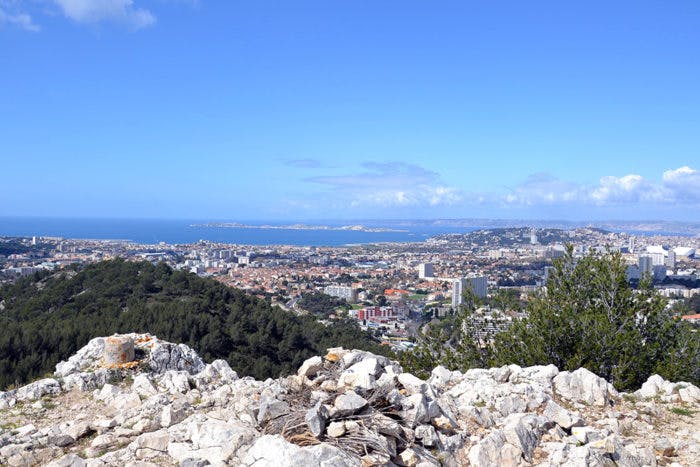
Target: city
349	234
389	288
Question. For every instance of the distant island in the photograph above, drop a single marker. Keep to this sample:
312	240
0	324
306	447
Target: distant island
355	228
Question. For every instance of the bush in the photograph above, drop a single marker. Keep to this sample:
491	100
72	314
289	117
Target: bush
588	316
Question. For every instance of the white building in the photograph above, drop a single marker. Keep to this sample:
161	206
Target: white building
425	270
533	237
341	291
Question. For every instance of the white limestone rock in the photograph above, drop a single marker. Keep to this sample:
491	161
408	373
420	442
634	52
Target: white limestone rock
562	417
348	403
38	389
173	381
166	356
143	387
274	451
310	367
584	387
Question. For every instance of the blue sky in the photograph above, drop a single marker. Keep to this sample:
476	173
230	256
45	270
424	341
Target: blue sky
350	109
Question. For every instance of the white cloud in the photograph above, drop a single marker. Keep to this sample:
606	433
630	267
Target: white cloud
97	11
679	186
16	18
392	184
543	188
628	189
684	182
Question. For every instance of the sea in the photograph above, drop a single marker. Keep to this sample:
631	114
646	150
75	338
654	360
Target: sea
153	231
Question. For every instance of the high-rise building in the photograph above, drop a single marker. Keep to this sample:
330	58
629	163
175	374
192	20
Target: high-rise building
646	265
425	270
671	259
457	288
658	273
477	284
658	259
533	237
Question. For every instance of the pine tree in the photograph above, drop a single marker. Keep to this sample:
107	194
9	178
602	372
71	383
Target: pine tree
590	317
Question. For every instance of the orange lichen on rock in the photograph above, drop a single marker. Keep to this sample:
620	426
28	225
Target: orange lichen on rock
334	355
118	350
122	366
144	339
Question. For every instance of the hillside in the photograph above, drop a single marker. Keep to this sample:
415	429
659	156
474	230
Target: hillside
163	405
47	317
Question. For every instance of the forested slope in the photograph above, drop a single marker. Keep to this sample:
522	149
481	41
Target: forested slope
47	317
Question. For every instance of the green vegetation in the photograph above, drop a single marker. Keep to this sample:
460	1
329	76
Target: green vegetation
683	411
506	300
12	247
48	317
688	306
588	317
321	304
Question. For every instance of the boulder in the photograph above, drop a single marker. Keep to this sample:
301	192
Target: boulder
143	386
166	356
348	404
316	418
361	375
336	429
61	440
271	408
86	357
651	387
274	451
520	430
494	450
585	434
155	441
310	367
413	384
562	417
427	435
174	382
584	387
689	393
38	389
69	460
173	413
77	430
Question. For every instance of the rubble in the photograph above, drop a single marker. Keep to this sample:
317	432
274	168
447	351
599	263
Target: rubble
349	408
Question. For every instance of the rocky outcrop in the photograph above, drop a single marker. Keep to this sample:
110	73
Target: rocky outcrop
347	408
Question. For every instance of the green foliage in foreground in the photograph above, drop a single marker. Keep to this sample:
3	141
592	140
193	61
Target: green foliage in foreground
48	317
588	317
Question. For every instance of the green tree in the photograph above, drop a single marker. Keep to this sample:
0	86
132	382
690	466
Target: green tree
458	342
48	316
590	317
587	316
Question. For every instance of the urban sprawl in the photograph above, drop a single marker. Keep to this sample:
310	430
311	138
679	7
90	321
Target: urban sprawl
389	288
